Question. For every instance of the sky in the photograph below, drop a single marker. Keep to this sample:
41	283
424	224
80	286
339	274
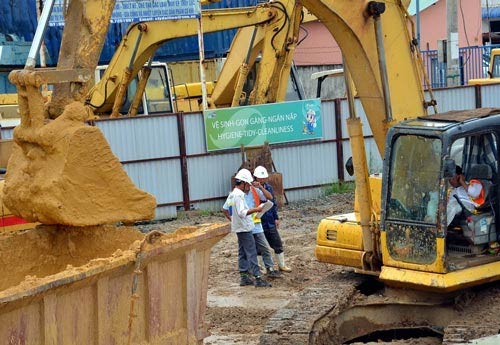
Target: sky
412	9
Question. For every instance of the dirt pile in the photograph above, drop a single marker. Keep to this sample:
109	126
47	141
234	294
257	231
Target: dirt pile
47	250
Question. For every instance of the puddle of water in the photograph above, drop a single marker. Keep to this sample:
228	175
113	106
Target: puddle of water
248	297
232	339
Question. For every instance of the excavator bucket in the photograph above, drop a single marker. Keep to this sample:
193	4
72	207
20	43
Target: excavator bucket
62	171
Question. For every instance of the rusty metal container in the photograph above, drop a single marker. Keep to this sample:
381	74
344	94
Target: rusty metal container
105	285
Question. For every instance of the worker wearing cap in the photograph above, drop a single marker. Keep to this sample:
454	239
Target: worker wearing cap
242	224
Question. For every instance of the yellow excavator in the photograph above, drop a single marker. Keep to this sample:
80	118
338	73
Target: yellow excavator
268	31
400	230
413	258
493	70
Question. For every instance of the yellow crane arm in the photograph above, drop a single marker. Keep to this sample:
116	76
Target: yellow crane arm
278	47
143	39
275	43
354	30
87	22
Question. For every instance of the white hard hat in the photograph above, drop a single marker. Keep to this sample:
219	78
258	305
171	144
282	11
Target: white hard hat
260	172
244	175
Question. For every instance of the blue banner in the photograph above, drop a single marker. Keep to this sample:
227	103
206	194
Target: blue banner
129	11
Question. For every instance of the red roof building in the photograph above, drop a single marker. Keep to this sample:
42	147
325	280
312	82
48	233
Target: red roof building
319	47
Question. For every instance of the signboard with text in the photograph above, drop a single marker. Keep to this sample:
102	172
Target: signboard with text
128	11
253	125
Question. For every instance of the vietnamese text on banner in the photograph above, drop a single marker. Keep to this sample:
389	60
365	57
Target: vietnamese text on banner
253	125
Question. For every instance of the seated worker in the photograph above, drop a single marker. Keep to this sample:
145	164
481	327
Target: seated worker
470	194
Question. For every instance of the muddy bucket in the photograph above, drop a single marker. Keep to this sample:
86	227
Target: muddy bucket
105	285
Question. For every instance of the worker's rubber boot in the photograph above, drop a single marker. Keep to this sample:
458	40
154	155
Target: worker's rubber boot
281	263
246	280
273	273
259	282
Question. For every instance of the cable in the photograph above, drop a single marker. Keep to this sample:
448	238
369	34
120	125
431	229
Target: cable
104	99
305	35
465	32
287	21
463	21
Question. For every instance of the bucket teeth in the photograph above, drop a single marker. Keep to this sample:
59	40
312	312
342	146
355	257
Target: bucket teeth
64	172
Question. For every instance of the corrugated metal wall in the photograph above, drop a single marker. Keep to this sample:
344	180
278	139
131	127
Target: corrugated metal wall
490	96
153	156
457	98
150	151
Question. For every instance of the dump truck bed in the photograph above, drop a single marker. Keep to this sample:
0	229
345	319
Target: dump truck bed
74	285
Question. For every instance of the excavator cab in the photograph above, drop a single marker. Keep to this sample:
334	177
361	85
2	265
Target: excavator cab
156	97
417	238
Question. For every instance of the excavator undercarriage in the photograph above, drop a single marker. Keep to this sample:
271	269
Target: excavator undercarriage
348	308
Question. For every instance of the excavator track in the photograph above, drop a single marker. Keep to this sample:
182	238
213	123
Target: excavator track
479	317
347	308
463	333
298	322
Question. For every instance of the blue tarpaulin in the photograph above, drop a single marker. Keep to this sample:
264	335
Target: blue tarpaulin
491	13
19	17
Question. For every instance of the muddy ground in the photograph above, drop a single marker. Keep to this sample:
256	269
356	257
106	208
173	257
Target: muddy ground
237	315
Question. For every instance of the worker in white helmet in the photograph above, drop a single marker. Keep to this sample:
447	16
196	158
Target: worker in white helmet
257	196
270	219
242	224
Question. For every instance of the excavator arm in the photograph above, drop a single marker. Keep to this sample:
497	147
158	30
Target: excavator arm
143	39
353	27
383	62
275	44
81	46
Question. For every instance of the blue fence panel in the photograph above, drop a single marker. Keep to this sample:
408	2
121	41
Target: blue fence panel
473	64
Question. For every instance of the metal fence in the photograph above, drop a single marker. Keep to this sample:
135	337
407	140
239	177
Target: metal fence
166	155
473	63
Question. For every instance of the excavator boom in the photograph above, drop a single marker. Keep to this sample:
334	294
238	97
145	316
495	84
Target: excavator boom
143	39
275	44
354	29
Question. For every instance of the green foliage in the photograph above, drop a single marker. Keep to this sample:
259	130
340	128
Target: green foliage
206	213
339	188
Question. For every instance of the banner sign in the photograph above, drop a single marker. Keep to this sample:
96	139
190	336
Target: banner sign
128	11
253	125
